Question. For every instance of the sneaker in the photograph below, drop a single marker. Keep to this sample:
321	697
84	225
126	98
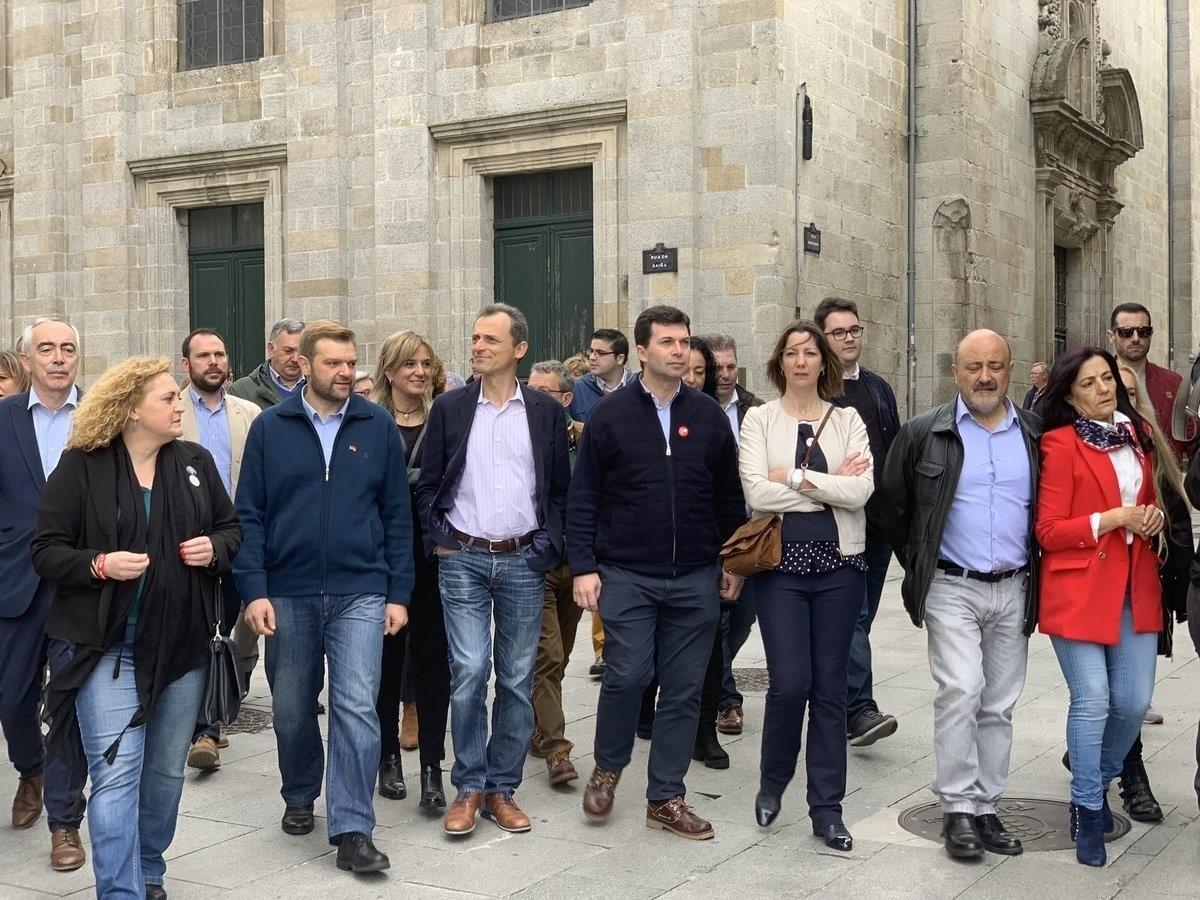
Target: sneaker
871	726
1152	716
204	754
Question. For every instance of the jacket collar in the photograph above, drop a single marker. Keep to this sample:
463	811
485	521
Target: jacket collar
293	407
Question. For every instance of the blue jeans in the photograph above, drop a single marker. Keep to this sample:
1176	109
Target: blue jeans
135	800
1110	691
860	696
346	629
476	587
736	623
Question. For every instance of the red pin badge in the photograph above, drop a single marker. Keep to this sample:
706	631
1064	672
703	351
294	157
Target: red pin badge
683	431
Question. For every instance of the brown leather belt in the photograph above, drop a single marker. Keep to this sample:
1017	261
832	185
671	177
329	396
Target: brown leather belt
508	545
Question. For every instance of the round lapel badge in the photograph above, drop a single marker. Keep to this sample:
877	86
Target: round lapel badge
683	431
194	480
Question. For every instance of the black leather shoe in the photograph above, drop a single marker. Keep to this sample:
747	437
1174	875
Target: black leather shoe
835	836
1138	800
961	836
356	853
766	808
297	820
391	778
156	892
995	837
597	669
708	749
433	795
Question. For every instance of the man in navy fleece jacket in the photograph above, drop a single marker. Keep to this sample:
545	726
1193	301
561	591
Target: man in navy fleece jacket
328	568
654	495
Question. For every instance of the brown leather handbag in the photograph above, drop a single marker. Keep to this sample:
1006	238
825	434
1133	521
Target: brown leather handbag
758	545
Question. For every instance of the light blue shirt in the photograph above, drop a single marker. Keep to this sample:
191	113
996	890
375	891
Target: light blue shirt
284	390
53	429
987	529
212	428
327	429
663	410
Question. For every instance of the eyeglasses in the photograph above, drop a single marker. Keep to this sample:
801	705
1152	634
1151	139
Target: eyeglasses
840	334
549	390
592	351
1128	331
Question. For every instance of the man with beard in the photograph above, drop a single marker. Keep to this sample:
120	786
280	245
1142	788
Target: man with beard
960	487
218	422
326	568
1130	334
34	428
279	377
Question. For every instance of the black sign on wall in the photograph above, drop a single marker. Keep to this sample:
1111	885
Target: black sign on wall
812	239
660	259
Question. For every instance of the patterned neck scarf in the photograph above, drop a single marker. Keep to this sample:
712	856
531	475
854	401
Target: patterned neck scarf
1106	440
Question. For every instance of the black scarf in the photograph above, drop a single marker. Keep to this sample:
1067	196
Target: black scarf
174	619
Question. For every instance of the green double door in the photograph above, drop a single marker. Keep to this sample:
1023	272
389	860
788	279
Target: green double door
226	278
543	258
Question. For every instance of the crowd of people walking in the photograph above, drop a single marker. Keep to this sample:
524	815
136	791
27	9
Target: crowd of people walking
410	540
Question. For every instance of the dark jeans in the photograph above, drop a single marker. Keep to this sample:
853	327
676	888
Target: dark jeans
807	624
737	620
24	654
387	704
673	621
860	696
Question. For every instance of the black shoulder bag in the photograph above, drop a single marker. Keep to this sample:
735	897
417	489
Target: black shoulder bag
223	690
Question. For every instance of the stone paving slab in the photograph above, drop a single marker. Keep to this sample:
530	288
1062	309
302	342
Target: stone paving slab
228	843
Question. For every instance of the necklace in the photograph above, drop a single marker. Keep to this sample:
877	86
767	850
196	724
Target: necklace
400	413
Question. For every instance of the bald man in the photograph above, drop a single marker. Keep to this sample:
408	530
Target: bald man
961	481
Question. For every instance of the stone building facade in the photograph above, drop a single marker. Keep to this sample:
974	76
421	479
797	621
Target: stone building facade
1053	172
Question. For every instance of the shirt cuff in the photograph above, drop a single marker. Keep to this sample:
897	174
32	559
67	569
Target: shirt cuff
1095	520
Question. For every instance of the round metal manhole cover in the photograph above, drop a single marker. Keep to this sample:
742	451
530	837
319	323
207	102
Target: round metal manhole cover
250	721
1040	824
755	681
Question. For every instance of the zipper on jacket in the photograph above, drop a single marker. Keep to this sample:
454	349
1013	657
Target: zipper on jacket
325	497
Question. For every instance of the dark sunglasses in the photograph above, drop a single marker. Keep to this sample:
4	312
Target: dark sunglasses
1128	331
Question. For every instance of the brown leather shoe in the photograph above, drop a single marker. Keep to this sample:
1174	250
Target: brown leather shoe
503	810
599	793
460	817
409	729
730	720
66	850
223	740
204	754
27	804
677	817
560	768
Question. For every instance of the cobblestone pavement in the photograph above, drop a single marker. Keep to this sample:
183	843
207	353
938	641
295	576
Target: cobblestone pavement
229	844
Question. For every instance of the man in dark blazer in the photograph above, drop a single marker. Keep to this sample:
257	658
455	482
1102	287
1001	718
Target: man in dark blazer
34	427
492	496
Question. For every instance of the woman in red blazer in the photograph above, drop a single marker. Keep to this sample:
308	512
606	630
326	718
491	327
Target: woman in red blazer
1098	522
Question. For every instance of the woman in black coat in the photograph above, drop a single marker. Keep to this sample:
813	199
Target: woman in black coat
135	528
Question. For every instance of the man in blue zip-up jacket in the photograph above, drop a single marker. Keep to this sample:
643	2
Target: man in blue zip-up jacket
654	495
324	500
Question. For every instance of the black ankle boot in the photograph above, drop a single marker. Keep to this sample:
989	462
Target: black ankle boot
433	796
708	749
1136	796
391	778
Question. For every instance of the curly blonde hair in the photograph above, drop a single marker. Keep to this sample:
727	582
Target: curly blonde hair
105	408
10	366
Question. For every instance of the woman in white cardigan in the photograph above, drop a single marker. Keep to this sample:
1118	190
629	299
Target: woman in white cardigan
808	606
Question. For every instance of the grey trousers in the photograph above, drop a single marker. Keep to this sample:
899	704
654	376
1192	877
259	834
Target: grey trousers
977	655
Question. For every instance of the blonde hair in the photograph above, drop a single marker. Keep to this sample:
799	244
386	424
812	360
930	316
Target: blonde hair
10	366
398	349
105	408
577	365
1167	473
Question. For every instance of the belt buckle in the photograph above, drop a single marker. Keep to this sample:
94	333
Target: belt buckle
492	547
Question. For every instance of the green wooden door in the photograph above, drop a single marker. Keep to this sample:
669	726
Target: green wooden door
226	279
543	258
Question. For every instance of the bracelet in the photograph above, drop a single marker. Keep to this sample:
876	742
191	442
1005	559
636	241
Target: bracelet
100	560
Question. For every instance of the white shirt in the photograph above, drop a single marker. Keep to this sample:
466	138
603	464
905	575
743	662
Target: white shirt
732	414
1128	467
495	497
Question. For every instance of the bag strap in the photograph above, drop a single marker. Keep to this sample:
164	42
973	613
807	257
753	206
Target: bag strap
417	443
816	437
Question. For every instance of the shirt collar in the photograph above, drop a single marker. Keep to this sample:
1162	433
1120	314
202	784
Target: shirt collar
71	401
961	412
199	403
518	397
1119	419
654	399
279	381
853	376
313	414
733	399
